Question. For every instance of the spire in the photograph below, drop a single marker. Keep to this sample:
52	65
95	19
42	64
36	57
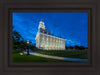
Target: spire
41	24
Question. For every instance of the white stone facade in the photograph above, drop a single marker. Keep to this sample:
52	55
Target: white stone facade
48	42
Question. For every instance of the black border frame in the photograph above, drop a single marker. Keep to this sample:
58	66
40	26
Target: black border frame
46	9
45	64
48	70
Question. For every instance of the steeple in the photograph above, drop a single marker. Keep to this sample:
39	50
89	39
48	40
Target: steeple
41	24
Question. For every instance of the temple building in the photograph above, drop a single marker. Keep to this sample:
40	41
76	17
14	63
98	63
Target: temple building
46	41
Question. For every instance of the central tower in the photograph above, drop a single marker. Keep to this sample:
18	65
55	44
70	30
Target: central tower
41	25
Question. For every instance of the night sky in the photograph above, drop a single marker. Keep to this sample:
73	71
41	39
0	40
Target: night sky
70	26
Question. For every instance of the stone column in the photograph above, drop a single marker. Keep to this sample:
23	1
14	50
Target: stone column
60	44
50	43
56	43
39	41
45	42
53	43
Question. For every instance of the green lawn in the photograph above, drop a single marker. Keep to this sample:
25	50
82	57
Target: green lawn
31	58
65	53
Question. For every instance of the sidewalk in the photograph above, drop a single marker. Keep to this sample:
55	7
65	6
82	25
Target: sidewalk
59	58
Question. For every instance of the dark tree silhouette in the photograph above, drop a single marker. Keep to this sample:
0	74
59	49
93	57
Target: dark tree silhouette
20	44
76	47
81	47
18	41
71	47
17	36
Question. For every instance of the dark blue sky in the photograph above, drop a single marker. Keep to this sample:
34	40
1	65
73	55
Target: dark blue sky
71	26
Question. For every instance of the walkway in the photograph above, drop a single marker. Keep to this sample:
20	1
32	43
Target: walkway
59	58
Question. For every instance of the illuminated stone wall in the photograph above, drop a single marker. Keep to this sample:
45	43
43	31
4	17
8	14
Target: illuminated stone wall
49	42
46	41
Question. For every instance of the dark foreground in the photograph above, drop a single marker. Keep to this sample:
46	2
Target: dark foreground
32	58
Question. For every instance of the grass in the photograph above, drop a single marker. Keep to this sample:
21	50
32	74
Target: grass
63	53
17	58
31	58
66	53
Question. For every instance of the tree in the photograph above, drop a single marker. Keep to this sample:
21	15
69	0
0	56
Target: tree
76	47
18	41
66	47
71	47
81	47
17	36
